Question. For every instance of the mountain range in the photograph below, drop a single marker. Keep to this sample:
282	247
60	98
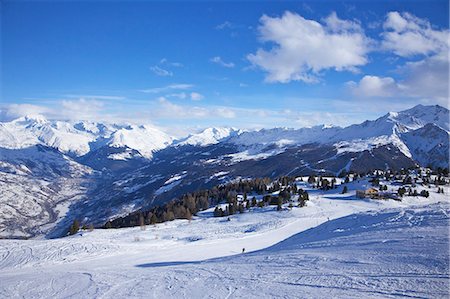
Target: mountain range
52	172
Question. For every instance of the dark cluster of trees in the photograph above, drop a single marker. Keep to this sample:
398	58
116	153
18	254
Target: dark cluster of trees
441	171
412	192
322	183
191	203
284	196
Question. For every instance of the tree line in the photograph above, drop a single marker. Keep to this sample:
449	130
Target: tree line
191	203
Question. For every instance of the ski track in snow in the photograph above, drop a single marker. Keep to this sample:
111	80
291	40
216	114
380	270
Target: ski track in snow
337	246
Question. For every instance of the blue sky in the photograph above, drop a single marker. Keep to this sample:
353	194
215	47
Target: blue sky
187	65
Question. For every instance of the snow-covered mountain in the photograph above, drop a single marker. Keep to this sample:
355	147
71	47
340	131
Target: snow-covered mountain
209	136
114	169
79	138
392	128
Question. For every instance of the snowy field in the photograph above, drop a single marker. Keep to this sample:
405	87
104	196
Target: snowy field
336	246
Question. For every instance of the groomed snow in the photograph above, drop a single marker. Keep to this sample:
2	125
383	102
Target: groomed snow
336	246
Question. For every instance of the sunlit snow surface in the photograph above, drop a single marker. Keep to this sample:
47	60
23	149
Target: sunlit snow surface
337	246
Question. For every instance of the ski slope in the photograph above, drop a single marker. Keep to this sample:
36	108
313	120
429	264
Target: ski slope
336	246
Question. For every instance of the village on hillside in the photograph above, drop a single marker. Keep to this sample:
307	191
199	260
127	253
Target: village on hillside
242	195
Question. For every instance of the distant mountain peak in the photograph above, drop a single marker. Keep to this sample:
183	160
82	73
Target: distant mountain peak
420	115
29	118
210	136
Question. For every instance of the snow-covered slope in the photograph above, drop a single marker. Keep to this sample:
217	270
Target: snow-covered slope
286	136
429	145
37	186
385	126
144	139
389	129
209	136
420	115
336	246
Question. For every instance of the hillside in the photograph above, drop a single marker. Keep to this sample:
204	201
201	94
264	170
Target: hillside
337	245
114	169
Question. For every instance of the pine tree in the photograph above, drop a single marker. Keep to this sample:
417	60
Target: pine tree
153	219
74	228
216	212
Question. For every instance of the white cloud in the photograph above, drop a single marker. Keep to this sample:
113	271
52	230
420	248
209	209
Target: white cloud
170	110
81	109
426	80
168	88
304	47
160	71
173	117
374	86
219	61
225	112
14	111
407	35
195	96
225	25
180	95
334	24
95	97
165	61
314	118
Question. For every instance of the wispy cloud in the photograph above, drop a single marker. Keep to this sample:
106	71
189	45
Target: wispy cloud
165	61
160	71
179	95
95	97
225	25
218	60
168	88
195	96
169	110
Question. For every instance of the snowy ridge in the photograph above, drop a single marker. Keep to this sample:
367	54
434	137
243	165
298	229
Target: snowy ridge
421	115
79	138
209	136
144	139
388	129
